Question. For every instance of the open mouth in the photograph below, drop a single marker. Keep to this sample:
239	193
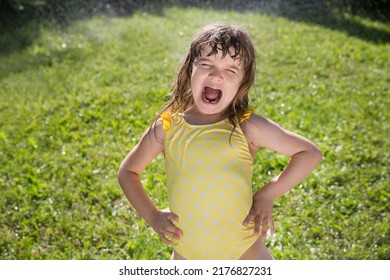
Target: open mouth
211	95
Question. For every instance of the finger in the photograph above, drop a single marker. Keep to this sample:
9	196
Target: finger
271	224
256	229
171	236
248	218
264	227
164	239
173	218
173	232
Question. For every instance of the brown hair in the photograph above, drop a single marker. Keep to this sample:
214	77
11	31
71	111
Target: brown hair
230	40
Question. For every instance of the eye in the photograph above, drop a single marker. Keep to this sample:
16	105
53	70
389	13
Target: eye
231	71
202	63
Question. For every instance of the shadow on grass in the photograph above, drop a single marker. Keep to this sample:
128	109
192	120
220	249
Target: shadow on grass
20	20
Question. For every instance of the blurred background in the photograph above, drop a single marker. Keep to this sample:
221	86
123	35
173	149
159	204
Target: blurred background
81	80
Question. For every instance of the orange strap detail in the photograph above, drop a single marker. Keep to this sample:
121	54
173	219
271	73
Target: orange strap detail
166	120
247	114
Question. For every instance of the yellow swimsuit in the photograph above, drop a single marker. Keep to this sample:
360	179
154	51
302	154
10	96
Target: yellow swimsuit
209	181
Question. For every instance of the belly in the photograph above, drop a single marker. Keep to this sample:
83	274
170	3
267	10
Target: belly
211	217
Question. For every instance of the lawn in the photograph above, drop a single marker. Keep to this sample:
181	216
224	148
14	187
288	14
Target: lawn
76	98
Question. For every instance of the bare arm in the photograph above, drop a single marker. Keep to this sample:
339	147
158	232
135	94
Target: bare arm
305	156
129	172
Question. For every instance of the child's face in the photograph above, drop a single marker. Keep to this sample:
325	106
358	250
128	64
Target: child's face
215	81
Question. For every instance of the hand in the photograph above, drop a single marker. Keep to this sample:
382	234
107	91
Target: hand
163	223
261	214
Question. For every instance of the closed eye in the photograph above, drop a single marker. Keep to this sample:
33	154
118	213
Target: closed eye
231	71
202	64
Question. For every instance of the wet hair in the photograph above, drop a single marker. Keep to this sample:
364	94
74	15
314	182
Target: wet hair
230	40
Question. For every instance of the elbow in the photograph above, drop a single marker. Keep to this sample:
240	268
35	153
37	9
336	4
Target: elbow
121	173
124	174
317	155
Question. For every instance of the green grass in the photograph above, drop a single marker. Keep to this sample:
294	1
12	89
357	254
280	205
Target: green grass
76	100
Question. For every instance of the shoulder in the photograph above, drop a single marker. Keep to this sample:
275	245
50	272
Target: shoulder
263	132
256	123
259	130
154	135
149	146
157	130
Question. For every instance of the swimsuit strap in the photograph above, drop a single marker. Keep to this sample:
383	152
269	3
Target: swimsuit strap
166	118
247	114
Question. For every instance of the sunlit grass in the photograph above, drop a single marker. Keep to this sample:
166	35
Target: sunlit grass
78	99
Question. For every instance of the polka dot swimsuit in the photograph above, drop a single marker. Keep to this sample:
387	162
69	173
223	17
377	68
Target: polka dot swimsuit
209	181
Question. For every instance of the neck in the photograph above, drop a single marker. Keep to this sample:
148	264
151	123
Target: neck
194	117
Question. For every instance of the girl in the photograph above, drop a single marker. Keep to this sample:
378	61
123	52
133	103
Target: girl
209	137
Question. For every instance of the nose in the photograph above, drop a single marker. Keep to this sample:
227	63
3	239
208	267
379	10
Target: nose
215	75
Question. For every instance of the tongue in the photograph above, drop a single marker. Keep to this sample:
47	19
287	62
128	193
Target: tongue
211	94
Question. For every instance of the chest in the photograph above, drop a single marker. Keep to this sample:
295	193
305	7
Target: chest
211	145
